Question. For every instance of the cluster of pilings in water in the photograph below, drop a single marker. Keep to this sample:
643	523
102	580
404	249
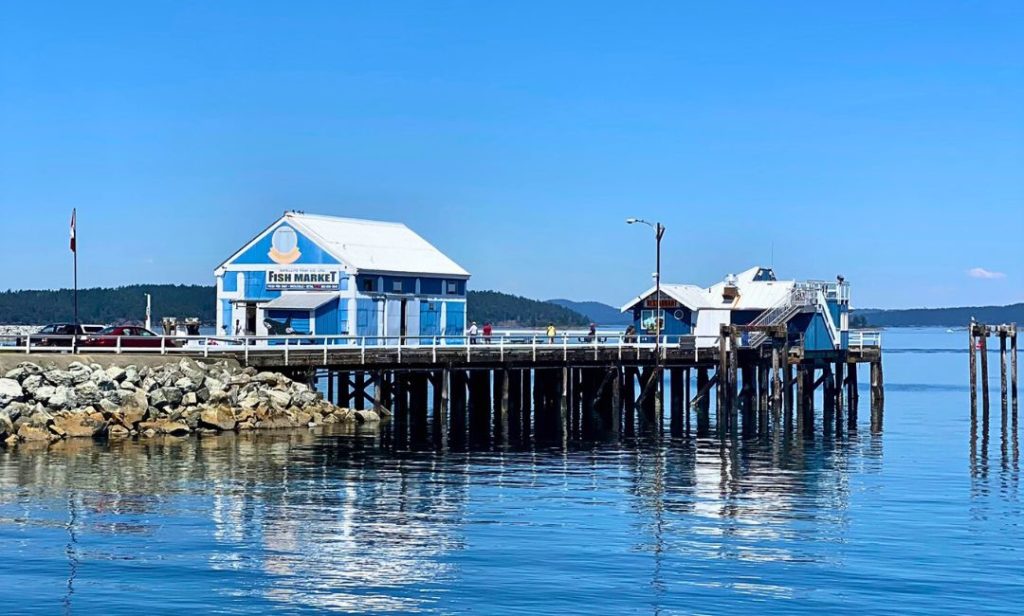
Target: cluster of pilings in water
979	335
752	393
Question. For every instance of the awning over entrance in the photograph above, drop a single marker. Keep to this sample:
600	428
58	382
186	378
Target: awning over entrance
300	301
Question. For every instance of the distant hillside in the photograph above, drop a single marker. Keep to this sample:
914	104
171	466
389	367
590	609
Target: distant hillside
599	313
107	305
941	317
129	304
511	310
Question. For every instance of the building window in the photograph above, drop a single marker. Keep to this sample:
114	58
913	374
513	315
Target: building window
648	323
396	286
451	287
369	285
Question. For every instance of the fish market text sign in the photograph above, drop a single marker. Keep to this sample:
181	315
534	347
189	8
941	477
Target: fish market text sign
293	279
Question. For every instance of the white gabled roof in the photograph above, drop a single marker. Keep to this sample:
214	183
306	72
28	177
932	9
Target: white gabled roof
374	246
752	294
689	295
370	245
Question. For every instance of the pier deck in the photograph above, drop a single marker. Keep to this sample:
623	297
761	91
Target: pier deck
511	385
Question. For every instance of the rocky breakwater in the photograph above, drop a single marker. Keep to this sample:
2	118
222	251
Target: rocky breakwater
47	403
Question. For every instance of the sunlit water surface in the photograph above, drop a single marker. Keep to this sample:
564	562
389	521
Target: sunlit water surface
907	520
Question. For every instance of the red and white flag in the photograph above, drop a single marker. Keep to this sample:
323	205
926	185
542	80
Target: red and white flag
72	230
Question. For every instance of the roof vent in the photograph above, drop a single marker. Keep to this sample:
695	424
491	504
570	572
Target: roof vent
730	291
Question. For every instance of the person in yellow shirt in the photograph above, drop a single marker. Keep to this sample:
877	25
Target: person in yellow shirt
551	333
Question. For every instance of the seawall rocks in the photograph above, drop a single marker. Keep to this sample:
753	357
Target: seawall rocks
177	397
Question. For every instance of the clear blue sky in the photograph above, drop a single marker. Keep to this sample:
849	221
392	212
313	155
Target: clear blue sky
881	140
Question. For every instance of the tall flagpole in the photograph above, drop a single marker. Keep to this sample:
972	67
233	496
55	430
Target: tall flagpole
74	252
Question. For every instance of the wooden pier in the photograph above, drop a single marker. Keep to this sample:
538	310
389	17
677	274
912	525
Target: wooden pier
979	335
749	381
553	391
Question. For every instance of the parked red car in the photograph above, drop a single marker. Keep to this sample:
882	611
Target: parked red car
130	336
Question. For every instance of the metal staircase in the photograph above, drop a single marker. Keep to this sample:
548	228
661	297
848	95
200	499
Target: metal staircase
802	298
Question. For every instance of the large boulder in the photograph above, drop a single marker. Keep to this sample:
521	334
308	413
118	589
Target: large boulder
186	384
115	373
78	426
32	383
57	377
30	434
366	417
219	417
63	398
14	410
6	425
10	390
163	426
79	372
279	399
87	392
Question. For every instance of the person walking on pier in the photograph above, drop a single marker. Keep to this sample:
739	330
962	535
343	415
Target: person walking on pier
238	327
473	333
592	334
487	332
551	333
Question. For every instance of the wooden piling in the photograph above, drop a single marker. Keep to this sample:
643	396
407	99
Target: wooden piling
852	397
776	387
1013	369
828	398
787	390
972	349
1003	367
457	386
686	402
526	400
615	421
983	350
704	404
675	386
442	395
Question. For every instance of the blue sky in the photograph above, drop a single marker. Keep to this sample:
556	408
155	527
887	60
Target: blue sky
881	140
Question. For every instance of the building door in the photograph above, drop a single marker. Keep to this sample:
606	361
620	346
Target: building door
404	321
250	318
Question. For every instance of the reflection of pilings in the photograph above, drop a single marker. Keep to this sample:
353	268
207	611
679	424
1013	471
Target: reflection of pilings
877	397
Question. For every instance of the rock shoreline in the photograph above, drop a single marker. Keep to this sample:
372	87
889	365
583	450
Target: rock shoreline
48	403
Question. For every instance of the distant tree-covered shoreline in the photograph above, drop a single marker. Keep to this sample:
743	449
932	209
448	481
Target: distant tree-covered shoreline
128	303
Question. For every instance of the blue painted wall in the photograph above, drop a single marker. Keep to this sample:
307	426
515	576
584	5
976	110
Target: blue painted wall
328	319
310	253
816	336
673	325
366	317
431	286
300	319
230	284
399	284
256	287
430	321
229	321
455	320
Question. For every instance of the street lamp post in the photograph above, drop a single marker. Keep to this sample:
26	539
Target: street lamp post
659	232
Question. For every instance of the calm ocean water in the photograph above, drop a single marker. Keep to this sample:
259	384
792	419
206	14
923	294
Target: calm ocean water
907	521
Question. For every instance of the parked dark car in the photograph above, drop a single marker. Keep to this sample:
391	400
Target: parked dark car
59	334
130	336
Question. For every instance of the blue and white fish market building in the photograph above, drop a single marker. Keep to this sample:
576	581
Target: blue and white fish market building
325	275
